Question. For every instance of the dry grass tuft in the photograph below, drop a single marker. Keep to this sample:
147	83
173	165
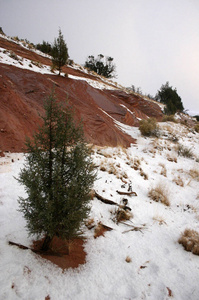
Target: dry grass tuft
194	174
169	118
178	180
190	241
172	158
159	219
184	151
149	127
164	170
196	127
143	174
135	163
159	194
112	168
128	259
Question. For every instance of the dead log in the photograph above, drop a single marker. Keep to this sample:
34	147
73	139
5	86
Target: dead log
126	193
107	201
101	198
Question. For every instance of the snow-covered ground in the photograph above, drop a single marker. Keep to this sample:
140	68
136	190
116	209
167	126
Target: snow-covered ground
123	264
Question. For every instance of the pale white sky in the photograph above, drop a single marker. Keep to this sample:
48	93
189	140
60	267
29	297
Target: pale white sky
151	41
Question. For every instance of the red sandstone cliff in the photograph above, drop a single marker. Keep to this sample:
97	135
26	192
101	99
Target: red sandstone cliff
22	92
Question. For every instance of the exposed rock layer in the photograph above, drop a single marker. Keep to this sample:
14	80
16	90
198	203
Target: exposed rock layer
23	92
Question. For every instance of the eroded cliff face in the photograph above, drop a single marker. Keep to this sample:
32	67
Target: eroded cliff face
99	103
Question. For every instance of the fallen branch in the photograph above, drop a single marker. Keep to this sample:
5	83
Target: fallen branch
126	193
33	250
19	245
134	229
107	201
106	227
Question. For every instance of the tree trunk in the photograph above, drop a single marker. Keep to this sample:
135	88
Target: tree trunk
46	243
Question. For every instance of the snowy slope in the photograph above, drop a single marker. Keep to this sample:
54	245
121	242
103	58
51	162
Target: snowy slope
158	267
10	58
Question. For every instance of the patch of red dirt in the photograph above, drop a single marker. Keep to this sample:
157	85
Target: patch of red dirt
58	253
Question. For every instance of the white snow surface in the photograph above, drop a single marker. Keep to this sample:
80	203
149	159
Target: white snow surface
159	269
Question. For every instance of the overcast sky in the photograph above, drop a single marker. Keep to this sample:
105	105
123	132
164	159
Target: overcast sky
151	41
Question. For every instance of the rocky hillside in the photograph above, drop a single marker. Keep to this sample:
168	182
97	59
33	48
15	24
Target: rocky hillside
26	79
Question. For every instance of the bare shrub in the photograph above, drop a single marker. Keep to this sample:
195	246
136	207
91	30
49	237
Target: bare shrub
190	241
159	194
149	127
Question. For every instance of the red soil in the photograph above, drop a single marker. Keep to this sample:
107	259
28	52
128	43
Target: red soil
58	253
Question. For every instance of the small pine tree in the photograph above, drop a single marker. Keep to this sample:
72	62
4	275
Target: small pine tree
45	47
59	52
58	176
170	97
101	65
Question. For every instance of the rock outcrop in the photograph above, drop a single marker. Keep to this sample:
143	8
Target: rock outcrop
99	103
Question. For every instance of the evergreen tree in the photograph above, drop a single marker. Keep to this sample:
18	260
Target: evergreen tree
58	176
59	52
101	65
45	47
170	97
